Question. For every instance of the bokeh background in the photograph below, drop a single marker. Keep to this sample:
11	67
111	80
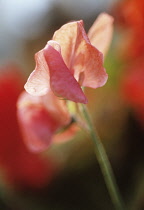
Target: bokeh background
67	175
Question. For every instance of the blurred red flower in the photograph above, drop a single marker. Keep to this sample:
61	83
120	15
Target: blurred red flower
130	16
130	13
133	87
21	168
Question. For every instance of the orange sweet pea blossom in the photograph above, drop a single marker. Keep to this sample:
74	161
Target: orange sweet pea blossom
70	61
67	62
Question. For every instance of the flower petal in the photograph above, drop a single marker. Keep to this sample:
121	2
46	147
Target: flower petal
84	60
88	61
38	81
100	34
62	81
66	36
37	123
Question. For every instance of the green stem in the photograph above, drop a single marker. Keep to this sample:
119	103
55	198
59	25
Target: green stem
104	163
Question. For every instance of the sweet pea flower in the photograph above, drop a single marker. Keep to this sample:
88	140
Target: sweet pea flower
67	61
71	60
41	119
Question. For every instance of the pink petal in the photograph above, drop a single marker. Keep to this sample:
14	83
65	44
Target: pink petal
38	81
62	81
84	60
88	61
66	36
100	34
38	124
57	108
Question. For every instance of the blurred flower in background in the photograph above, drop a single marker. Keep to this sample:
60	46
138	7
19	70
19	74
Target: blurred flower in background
132	87
21	168
130	20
